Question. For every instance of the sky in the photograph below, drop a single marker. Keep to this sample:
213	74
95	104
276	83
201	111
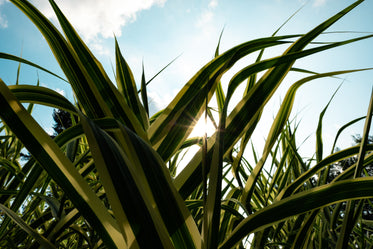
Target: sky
154	32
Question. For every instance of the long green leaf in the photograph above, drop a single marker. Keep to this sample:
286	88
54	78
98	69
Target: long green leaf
144	94
213	205
41	95
334	158
22	224
25	187
300	203
303	235
157	214
85	90
21	60
277	126
365	138
127	86
58	166
173	125
349	221
99	80
254	102
135	220
319	142
343	128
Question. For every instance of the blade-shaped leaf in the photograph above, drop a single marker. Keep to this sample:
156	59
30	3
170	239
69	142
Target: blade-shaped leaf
144	94
99	80
349	220
127	86
85	90
21	60
188	105
156	209
300	203
58	166
319	142
254	102
41	95
39	238
276	128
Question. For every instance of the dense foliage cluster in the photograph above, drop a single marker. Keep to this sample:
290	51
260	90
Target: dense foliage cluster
108	178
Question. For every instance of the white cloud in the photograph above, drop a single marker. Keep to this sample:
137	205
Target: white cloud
99	47
205	18
318	3
60	91
213	3
95	18
49	130
207	15
159	102
3	20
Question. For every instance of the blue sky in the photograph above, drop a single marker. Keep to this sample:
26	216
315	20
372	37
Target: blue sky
157	31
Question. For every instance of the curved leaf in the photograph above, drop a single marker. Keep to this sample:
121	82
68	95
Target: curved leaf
58	166
39	238
21	60
41	95
300	203
133	173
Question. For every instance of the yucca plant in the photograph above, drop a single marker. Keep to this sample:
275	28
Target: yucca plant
109	181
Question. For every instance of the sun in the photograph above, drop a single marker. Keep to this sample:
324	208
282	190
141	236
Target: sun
202	127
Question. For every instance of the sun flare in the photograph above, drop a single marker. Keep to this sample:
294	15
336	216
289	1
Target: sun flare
203	127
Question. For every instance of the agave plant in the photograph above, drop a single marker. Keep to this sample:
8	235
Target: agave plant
109	181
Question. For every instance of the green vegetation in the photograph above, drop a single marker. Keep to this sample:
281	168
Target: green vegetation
109	180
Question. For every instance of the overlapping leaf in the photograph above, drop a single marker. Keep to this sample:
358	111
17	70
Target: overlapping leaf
58	166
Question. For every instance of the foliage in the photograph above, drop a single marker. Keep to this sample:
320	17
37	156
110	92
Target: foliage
62	120
109	180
